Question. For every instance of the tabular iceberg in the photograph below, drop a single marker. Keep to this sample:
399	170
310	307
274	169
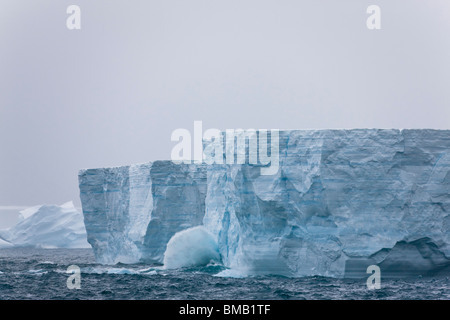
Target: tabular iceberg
47	226
340	201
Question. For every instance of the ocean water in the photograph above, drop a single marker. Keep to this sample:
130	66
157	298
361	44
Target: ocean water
41	274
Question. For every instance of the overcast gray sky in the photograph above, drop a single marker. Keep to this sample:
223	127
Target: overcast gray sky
111	93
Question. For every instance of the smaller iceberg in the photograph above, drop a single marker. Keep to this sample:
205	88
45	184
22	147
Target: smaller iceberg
47	226
191	247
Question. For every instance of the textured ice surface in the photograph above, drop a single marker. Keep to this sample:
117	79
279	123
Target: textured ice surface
47	226
341	200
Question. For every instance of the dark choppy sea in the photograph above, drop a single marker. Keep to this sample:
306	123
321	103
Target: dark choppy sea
41	274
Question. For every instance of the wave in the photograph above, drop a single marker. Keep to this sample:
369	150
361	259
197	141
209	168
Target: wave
191	247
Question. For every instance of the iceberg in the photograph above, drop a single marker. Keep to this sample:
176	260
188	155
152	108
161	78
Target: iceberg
341	200
47	226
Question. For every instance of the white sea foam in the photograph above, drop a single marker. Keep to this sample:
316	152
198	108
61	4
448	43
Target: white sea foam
191	247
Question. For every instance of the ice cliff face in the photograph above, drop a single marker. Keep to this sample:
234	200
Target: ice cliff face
132	212
340	201
47	226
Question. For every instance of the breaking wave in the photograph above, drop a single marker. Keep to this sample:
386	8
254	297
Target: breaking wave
191	247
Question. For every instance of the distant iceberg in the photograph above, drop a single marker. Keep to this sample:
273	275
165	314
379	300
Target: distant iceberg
47	226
